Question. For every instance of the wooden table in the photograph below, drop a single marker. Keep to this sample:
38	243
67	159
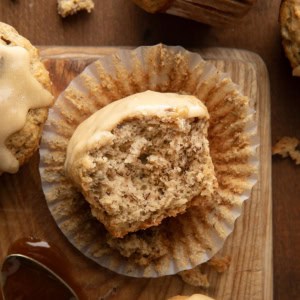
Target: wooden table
119	22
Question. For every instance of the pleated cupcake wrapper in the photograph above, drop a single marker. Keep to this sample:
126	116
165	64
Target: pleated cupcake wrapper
195	236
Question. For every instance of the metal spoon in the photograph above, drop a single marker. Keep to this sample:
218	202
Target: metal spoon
13	271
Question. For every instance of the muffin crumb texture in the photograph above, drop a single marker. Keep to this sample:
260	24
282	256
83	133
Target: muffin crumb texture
199	276
71	7
152	169
287	146
143	247
195	277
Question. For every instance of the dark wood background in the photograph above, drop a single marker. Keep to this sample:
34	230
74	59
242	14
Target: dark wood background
119	22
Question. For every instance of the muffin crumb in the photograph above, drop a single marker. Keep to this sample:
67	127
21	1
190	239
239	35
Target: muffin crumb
287	146
198	276
71	7
142	248
195	277
219	264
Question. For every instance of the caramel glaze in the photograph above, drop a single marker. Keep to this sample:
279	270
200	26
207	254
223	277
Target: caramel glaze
25	280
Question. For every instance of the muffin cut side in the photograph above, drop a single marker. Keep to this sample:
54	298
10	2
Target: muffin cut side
152	169
142	247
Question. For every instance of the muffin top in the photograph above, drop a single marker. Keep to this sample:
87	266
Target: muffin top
97	127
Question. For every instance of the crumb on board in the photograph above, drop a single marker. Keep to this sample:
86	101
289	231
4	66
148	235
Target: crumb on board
198	276
219	264
70	7
195	277
287	146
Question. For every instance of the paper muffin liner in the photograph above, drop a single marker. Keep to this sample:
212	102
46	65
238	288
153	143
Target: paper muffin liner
195	236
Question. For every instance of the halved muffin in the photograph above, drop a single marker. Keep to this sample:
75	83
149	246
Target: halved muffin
142	159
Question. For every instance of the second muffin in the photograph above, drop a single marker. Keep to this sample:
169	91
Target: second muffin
25	98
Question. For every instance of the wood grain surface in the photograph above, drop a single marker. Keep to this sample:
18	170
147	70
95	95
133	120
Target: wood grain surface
120	22
215	13
250	246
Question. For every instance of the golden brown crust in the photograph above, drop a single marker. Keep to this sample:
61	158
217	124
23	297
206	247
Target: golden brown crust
26	141
153	6
290	31
287	146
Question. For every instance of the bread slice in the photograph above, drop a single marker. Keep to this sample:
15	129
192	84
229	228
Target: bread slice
150	166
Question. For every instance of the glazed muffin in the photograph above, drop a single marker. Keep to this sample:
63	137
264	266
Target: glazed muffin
141	159
290	32
179	242
27	102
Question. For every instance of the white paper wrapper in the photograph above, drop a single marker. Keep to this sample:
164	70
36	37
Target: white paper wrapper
193	237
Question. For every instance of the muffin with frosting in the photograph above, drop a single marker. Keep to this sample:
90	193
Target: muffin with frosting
149	183
141	159
24	100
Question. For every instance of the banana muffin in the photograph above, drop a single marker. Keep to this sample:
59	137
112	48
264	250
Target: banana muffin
142	159
25	97
123	160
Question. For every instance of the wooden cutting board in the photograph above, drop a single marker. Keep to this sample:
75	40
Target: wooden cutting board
216	13
23	210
